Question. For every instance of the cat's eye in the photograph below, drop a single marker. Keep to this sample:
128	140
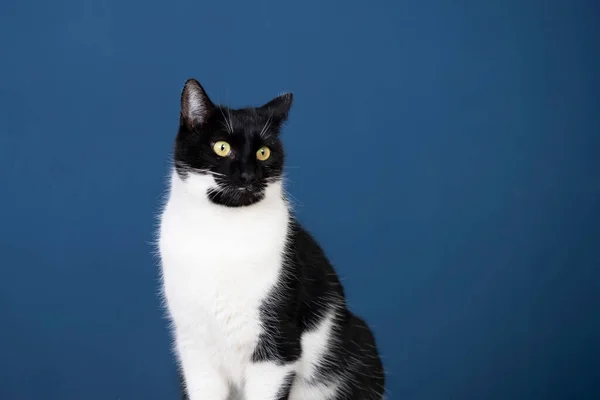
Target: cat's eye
263	153
222	148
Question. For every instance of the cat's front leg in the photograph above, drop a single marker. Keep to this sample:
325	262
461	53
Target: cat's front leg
272	370
202	380
266	380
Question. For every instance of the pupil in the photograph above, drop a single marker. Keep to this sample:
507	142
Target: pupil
222	147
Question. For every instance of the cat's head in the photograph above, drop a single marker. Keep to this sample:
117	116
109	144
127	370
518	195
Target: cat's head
231	156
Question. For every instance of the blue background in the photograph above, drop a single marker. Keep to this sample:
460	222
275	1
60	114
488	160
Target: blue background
445	153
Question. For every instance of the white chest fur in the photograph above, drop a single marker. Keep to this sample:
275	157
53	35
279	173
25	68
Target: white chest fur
218	265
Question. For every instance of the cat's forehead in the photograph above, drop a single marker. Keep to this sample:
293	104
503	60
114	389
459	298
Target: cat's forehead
249	117
247	122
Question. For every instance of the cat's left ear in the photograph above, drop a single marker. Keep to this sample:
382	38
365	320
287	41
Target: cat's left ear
196	107
279	107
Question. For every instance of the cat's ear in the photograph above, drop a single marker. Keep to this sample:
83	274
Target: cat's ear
196	107
279	107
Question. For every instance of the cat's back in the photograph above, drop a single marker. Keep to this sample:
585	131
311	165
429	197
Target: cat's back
340	352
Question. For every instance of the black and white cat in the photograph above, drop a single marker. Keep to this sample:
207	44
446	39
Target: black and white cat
255	305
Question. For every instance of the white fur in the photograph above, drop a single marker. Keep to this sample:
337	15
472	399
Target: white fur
314	345
218	265
264	380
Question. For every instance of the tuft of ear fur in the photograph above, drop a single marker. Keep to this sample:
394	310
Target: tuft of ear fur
196	107
280	106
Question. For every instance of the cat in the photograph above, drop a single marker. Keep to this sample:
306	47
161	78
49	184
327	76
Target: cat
255	305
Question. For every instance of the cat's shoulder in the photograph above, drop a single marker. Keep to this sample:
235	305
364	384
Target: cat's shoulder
302	240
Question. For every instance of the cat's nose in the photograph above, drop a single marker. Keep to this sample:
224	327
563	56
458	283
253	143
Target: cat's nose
247	177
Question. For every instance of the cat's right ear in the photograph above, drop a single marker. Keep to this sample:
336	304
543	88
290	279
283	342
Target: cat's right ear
279	107
196	107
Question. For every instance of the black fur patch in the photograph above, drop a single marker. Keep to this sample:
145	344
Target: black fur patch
309	290
286	387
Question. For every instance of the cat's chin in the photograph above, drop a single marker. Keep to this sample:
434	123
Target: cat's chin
203	188
235	198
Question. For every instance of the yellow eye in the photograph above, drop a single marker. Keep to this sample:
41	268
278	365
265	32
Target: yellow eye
222	148
263	153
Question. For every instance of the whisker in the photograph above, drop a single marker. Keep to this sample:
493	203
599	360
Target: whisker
209	172
265	127
230	123
224	125
227	124
190	168
294	199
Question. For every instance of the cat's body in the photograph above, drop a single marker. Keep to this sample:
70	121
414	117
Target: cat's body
256	306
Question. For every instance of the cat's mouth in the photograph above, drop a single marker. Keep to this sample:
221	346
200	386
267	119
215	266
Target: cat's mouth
237	188
250	188
238	195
